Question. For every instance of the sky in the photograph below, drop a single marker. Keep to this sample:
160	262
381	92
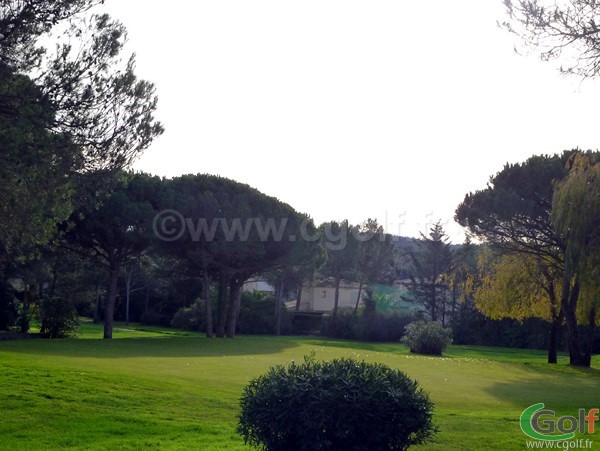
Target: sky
349	109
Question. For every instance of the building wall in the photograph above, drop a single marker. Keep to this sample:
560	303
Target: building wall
322	298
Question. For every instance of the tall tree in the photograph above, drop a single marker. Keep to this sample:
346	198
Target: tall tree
231	232
114	232
576	216
341	245
36	167
469	269
523	286
23	22
98	101
302	263
375	261
513	214
69	105
427	282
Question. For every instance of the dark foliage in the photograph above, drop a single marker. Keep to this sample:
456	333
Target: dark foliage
8	306
189	318
153	318
367	327
336	405
58	317
257	315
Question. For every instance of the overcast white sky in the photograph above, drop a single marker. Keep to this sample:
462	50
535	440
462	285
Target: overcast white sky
347	109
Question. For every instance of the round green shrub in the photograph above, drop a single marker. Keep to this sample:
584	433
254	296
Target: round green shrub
58	317
337	405
429	338
189	318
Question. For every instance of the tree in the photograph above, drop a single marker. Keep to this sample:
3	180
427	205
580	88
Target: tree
36	167
69	105
576	216
375	261
471	265
433	261
559	30
8	306
303	261
523	286
114	232
23	22
341	245
229	233
461	278
133	269
513	214
98	102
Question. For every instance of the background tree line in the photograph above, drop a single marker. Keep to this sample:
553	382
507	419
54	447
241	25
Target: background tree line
73	116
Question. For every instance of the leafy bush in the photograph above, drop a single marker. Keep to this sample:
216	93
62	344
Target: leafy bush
58	317
190	318
257	315
338	405
427	337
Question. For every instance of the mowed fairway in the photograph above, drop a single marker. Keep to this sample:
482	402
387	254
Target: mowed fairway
158	389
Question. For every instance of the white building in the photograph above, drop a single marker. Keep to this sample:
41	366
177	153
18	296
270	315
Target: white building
320	296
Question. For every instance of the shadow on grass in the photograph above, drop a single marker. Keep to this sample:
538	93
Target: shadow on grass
516	355
161	346
558	386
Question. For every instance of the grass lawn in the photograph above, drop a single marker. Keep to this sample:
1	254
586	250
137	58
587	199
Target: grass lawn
153	388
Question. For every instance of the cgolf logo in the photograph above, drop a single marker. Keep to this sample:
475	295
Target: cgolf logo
540	424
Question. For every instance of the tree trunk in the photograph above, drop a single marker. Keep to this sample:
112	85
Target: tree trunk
298	296
97	309
576	357
569	304
238	304
433	301
590	337
360	287
553	342
207	305
235	291
53	283
443	309
109	308
127	295
557	319
336	299
278	309
221	307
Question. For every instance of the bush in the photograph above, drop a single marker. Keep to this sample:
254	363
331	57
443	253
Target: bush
189	318
257	315
58	317
427	337
336	405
